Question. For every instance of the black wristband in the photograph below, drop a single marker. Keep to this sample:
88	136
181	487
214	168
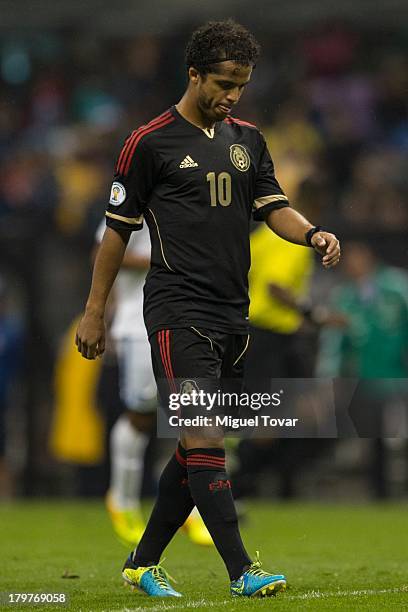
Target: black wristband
310	233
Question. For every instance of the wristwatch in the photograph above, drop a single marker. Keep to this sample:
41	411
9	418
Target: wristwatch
310	233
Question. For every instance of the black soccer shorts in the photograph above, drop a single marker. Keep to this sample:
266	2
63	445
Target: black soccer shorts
187	354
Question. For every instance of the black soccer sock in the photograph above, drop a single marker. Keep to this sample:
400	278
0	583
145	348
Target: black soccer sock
211	491
173	506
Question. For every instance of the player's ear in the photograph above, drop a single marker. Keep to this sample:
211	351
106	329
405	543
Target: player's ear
193	75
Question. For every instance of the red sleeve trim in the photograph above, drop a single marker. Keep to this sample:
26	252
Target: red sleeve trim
126	155
232	120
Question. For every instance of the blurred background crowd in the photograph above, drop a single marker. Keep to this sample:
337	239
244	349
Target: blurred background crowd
331	99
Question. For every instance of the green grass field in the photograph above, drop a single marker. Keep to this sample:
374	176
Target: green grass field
350	558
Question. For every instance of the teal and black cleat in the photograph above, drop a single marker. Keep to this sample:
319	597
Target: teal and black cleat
257	583
152	580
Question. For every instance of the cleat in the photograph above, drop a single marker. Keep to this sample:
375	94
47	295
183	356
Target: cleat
254	582
197	531
152	580
127	524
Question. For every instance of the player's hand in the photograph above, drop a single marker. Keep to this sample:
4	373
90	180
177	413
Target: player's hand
90	336
327	245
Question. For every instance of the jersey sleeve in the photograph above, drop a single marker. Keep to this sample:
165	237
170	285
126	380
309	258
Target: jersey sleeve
133	183
268	193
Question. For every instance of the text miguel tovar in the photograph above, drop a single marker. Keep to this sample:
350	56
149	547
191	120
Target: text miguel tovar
231	422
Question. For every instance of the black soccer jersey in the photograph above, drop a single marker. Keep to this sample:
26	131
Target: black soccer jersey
196	189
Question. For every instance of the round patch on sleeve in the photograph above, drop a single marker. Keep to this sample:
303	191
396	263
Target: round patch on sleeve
118	194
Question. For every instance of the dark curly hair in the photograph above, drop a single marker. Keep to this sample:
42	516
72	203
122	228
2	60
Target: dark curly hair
218	41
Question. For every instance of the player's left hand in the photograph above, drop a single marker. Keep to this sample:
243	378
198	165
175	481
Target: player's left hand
327	245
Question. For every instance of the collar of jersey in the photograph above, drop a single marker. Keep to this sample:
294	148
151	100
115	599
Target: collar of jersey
194	127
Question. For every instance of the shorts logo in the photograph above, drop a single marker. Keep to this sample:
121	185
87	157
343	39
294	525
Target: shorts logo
239	157
118	194
188	386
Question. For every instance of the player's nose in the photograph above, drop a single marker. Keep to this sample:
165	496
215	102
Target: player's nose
233	95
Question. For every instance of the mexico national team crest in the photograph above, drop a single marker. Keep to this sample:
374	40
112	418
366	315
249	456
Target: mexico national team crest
239	157
118	194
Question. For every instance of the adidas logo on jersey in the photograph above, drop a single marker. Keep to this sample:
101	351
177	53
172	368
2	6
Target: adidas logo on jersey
188	162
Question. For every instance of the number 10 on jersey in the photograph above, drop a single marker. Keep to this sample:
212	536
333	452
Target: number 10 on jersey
220	188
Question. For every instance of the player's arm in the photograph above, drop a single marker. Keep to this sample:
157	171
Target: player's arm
272	206
135	174
292	226
130	261
90	337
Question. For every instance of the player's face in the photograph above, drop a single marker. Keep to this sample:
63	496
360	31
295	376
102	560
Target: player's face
217	93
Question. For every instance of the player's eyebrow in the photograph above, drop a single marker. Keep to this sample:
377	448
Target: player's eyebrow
227	83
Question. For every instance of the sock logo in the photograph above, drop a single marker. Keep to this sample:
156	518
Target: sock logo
219	485
184	482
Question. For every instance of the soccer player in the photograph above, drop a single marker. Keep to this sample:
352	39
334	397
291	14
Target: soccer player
197	174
